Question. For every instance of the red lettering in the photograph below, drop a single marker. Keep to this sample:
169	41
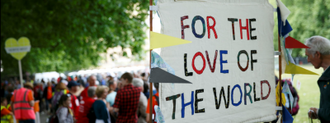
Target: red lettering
183	26
193	63
214	61
211	27
245	27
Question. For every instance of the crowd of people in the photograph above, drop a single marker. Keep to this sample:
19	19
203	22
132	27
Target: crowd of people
79	100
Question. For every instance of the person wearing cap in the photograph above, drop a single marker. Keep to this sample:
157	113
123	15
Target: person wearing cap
137	82
73	87
318	54
22	103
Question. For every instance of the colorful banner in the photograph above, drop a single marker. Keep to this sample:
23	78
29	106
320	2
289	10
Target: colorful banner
230	61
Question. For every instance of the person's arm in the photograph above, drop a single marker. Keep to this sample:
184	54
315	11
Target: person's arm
324	113
5	111
31	99
143	105
116	106
147	117
104	114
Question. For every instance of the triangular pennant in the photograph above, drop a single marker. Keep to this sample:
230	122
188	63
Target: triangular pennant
158	40
157	61
277	94
287	118
287	92
294	69
284	10
283	27
293	43
158	75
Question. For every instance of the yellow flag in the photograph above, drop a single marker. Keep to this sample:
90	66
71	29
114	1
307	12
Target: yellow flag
158	40
278	91
294	69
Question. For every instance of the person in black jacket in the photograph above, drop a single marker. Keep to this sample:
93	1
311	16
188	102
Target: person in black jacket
318	54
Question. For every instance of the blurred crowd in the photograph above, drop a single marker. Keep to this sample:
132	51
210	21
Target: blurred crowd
79	99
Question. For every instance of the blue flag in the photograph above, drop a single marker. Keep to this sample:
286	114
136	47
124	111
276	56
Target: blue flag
282	30
287	118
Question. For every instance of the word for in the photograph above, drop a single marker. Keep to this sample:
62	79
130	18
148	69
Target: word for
222	61
248	27
193	103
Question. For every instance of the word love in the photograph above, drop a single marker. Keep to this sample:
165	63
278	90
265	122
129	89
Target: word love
222	61
247	95
211	23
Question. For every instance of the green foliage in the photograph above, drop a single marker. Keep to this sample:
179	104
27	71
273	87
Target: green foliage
307	18
70	34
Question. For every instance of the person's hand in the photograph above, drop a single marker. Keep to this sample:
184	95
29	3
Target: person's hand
312	113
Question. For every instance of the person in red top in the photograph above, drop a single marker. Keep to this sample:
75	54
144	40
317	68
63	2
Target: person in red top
73	88
127	100
86	104
154	102
91	80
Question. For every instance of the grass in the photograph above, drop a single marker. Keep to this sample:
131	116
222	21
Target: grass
309	93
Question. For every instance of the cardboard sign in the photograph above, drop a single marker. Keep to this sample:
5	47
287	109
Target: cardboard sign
230	61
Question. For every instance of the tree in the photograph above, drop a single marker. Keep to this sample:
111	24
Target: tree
307	18
70	34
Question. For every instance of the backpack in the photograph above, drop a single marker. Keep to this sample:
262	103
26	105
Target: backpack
91	115
53	118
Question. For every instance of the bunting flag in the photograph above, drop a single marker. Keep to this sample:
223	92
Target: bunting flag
283	27
159	115
277	94
288	94
294	69
287	118
288	42
158	40
286	58
284	10
293	43
157	61
158	75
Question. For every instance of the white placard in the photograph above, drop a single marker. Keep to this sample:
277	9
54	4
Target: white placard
238	36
